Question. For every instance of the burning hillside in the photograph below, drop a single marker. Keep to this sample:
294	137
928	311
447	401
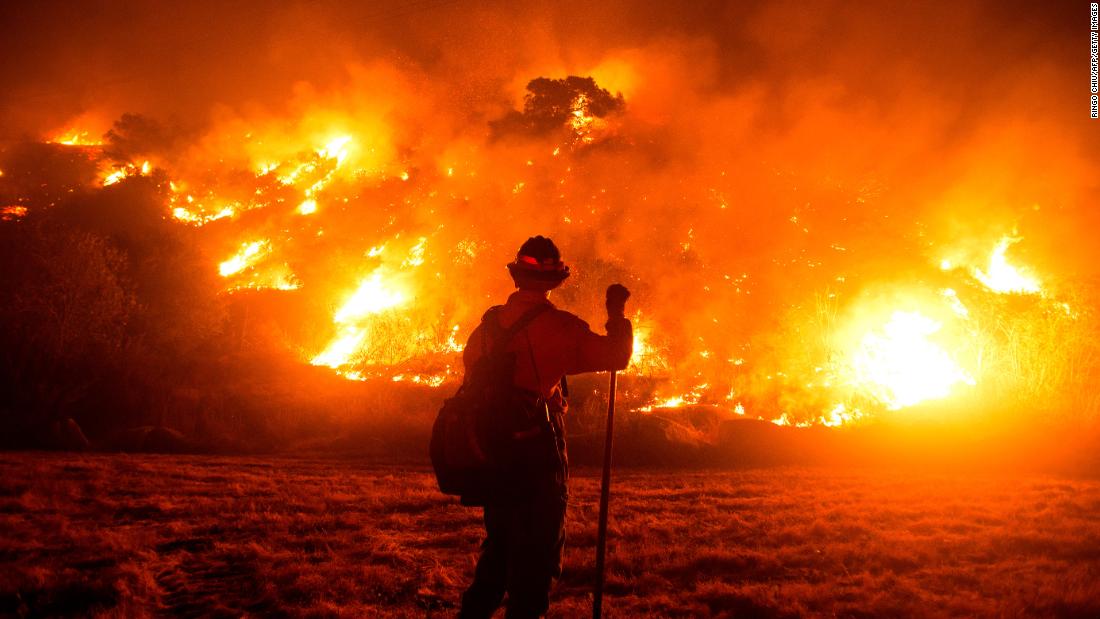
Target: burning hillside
819	260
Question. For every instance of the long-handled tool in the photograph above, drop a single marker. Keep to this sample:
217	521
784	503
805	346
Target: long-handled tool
605	497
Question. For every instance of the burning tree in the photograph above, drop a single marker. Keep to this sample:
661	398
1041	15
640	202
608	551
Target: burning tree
551	105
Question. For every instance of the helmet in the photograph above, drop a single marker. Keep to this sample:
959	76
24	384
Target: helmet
538	265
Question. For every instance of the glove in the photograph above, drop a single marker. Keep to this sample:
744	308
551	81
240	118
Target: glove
617	294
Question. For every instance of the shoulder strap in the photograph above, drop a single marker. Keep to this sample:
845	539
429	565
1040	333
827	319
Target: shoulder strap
519	325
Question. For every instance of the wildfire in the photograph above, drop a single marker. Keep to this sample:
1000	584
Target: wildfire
310	175
1000	276
839	415
75	137
900	366
13	212
373	296
646	359
189	216
250	254
583	123
118	174
337	148
307	207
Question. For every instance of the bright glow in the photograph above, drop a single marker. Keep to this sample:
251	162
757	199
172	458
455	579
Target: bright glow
10	213
126	171
416	254
307	207
336	148
580	120
645	358
839	415
1000	276
249	254
675	401
76	137
898	365
114	177
956	305
186	215
374	295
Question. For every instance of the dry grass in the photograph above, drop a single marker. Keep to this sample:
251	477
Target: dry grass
202	536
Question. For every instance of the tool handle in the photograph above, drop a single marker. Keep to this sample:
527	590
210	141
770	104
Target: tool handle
605	499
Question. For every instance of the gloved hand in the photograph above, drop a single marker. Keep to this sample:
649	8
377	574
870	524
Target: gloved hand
617	294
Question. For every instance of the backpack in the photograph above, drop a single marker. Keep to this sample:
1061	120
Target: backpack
471	434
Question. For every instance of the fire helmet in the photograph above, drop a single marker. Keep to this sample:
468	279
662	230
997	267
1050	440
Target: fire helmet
538	265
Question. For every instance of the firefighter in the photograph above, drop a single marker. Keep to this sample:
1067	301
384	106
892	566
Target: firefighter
525	525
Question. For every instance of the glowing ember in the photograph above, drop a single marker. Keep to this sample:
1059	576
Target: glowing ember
1000	276
249	254
9	213
899	366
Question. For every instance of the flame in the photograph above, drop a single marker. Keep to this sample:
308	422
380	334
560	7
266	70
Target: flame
189	216
839	415
295	165
900	366
582	122
337	148
373	296
676	401
279	277
75	137
130	169
1000	276
646	359
452	344
430	380
13	212
249	254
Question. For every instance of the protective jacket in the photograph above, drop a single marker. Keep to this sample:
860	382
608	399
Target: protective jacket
556	343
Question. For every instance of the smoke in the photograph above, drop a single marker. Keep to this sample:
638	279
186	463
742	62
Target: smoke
769	155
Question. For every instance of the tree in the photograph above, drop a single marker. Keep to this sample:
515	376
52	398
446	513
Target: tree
551	104
63	315
133	136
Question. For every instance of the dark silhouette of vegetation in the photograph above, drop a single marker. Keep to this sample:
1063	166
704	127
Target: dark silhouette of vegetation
64	311
133	136
108	311
549	103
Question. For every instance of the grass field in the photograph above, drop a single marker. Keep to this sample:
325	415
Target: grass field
220	536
